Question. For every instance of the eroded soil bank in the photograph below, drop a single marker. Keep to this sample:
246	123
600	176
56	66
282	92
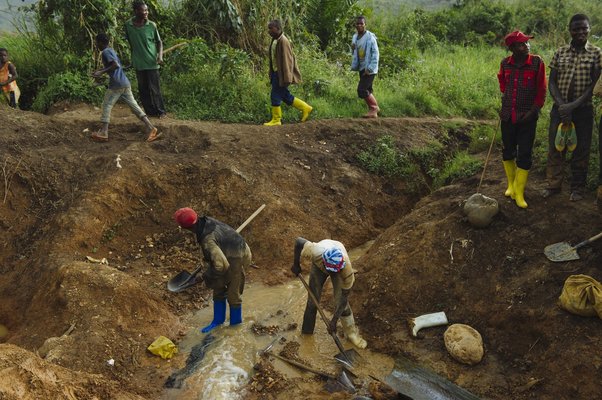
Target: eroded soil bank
65	198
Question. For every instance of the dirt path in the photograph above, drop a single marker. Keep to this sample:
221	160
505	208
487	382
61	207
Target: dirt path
65	198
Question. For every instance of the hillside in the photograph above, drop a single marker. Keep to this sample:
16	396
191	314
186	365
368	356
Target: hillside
65	198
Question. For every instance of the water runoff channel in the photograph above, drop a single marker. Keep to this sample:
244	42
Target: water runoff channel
220	363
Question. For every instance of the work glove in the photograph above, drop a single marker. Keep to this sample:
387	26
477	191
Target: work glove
296	269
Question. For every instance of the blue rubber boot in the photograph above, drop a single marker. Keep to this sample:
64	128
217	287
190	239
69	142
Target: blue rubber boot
219	315
235	315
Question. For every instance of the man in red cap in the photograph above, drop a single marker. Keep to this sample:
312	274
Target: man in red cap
228	255
574	71
523	84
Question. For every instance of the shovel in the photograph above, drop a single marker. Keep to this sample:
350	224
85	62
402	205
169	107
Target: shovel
559	252
185	279
346	357
342	380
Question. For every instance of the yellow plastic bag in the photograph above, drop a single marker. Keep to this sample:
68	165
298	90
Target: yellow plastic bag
163	347
582	295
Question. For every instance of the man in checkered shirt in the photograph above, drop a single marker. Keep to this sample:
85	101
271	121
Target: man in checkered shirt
575	69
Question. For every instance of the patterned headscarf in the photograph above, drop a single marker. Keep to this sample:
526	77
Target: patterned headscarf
333	260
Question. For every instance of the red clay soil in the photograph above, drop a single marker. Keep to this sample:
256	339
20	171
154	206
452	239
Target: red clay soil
64	197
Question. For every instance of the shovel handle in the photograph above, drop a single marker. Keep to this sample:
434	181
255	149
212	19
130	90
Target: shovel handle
196	271
300	365
588	241
241	227
317	304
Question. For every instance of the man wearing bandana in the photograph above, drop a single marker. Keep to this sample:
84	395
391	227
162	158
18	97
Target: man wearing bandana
328	258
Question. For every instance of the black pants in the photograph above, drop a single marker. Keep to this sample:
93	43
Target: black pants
518	142
600	151
149	89
364	87
583	118
317	278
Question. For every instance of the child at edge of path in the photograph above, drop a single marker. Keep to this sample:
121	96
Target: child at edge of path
8	79
119	88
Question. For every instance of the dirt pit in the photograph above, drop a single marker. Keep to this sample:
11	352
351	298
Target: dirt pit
88	244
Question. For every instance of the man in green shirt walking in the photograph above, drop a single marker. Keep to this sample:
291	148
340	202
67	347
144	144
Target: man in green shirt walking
147	54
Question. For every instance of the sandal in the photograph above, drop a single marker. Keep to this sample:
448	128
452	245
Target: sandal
153	135
97	138
560	140
571	138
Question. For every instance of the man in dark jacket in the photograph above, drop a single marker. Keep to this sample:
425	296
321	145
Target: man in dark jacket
283	72
228	255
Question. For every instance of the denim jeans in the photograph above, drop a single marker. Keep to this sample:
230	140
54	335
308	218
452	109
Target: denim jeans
279	93
114	95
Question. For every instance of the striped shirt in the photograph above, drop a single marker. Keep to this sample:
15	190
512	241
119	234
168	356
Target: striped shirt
574	68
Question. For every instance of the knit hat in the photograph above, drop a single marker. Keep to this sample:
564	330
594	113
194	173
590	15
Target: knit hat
516	37
185	217
333	260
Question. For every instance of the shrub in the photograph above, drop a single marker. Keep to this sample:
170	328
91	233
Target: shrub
462	165
383	158
67	86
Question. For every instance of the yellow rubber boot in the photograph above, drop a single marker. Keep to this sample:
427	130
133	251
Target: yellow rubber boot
303	107
276	117
519	187
510	168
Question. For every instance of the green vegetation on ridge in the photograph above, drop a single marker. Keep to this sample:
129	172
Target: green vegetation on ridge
440	59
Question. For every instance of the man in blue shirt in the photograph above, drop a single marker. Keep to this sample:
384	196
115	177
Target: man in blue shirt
119	88
365	60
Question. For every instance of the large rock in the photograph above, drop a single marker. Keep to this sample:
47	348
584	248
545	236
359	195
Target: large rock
480	210
464	344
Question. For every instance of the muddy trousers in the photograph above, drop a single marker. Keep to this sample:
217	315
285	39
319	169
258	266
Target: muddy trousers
230	284
583	118
317	278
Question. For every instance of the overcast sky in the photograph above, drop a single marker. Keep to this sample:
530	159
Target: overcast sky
8	8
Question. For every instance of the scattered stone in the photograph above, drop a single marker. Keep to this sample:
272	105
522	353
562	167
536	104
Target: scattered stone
261	330
464	344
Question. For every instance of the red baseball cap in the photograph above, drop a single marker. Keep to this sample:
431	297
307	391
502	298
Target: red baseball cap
185	217
516	37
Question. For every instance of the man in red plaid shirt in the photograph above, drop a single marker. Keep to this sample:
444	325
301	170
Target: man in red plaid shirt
523	84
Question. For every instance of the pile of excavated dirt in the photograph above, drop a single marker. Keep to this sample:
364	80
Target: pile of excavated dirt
68	203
